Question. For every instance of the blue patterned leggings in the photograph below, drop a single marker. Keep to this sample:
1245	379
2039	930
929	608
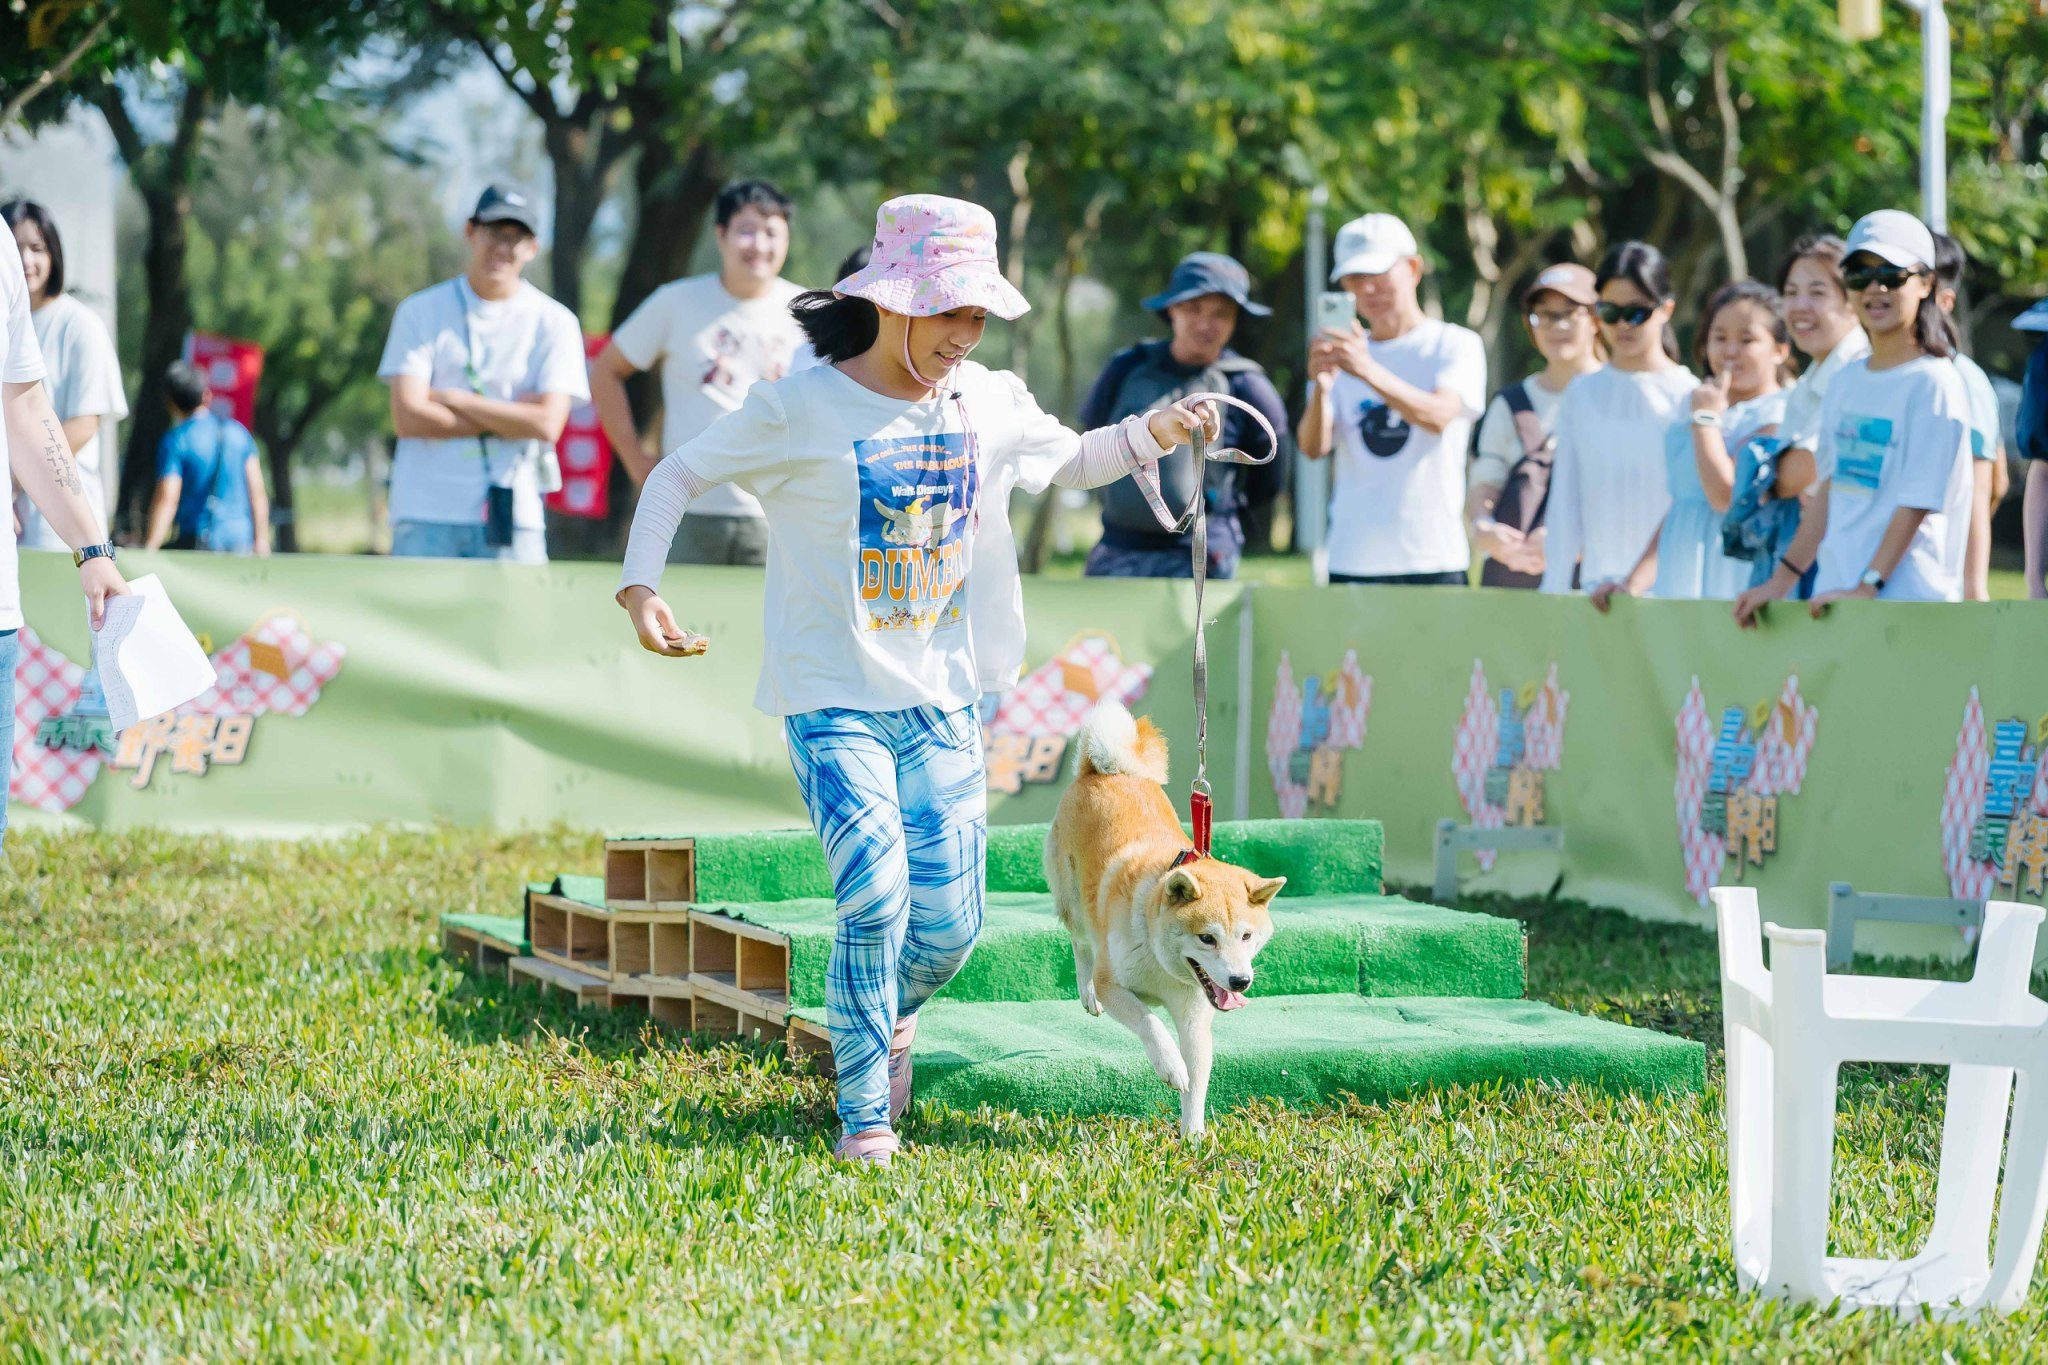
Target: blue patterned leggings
901	801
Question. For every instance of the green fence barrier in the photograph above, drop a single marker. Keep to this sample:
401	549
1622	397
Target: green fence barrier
1895	746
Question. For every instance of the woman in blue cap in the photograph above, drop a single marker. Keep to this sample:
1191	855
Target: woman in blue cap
1202	303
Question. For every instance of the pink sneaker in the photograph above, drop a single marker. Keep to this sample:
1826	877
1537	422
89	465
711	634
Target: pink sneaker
899	1066
872	1148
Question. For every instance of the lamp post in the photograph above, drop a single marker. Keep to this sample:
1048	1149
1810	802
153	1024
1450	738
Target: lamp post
1312	477
1861	19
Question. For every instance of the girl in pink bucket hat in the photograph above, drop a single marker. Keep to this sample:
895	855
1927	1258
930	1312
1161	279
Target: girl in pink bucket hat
892	602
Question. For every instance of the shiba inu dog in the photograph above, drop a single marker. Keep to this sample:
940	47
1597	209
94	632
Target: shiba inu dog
1153	925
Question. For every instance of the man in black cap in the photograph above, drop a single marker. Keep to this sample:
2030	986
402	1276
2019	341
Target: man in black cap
483	370
1202	303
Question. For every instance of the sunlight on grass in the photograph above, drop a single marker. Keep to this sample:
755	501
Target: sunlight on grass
245	1108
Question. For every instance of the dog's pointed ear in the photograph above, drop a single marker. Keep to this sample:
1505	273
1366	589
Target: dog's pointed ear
1181	888
1262	889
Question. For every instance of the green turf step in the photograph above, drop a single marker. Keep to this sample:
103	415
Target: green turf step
1050	1057
1367	945
508	931
1317	857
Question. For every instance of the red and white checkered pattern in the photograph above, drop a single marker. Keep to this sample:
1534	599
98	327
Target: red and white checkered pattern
1349	716
1962	806
46	684
1472	750
246	690
1283	737
1044	703
1543	727
1781	758
1703	851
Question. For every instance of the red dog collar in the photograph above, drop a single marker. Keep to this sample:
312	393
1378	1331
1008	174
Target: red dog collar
1186	856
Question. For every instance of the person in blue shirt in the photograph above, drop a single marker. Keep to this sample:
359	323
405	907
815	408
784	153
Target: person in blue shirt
2031	436
209	478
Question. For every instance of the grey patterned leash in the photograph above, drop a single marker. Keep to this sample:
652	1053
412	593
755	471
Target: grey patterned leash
1201	806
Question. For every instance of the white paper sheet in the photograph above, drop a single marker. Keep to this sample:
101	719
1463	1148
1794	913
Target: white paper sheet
148	661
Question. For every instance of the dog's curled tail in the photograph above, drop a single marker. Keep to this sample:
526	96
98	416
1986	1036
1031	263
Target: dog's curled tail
1112	740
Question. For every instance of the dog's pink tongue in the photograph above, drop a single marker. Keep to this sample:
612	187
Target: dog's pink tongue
1225	1000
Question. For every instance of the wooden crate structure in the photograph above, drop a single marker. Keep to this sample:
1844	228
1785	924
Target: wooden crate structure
586	989
665	1002
607	942
740	967
650	874
809	1043
486	954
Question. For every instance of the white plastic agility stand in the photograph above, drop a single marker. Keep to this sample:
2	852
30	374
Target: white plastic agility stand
1788	1032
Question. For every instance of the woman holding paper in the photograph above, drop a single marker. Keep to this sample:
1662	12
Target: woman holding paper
40	458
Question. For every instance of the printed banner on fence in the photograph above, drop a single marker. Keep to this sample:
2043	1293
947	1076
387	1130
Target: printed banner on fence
1673	751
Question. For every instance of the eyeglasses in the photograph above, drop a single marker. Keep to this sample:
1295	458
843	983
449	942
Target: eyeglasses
1861	277
1541	318
1629	315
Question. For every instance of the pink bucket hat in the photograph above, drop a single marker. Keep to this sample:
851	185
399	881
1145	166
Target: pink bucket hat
932	255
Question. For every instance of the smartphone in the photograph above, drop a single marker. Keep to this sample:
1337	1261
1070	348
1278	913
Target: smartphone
1335	311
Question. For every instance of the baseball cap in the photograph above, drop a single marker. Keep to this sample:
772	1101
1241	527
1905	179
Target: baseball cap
2035	319
1370	246
1207	272
1567	280
503	203
1894	236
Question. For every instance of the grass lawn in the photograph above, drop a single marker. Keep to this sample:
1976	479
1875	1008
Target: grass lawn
246	1108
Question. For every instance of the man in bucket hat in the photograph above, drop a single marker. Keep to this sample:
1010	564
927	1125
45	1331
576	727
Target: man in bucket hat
1202	302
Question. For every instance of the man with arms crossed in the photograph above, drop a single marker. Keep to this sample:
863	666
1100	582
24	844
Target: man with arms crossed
483	371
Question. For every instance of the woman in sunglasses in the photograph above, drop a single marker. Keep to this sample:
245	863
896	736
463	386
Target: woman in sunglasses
1893	454
1607	484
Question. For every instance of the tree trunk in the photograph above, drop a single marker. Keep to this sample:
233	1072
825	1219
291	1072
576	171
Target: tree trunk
674	193
162	176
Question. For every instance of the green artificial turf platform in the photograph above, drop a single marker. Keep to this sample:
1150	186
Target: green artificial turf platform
1368	945
1048	1057
1319	857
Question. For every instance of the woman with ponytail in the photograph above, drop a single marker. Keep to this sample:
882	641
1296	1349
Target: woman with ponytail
1607	483
892	602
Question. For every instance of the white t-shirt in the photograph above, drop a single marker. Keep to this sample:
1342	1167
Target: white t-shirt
85	380
1608	489
1398	503
892	579
1894	438
1983	399
521	347
712	348
1499	442
21	362
1801	424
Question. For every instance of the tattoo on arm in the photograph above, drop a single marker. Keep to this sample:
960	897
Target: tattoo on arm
57	451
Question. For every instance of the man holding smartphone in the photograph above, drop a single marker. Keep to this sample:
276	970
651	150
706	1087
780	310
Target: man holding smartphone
483	370
1397	407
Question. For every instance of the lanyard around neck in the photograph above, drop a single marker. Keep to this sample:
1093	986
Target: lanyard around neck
469	370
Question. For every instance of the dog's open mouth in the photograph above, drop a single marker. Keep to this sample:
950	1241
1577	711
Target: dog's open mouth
1222	999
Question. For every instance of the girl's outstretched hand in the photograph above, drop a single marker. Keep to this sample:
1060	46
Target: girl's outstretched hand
1177	425
657	628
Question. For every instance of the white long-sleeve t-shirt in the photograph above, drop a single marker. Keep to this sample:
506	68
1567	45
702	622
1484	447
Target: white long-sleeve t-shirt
1608	493
892	571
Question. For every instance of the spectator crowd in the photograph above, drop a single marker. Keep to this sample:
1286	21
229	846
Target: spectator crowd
1825	436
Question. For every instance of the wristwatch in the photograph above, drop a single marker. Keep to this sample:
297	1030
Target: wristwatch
1706	419
103	550
1872	579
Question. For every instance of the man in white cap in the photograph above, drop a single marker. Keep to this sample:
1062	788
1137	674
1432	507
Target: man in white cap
1397	407
483	370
